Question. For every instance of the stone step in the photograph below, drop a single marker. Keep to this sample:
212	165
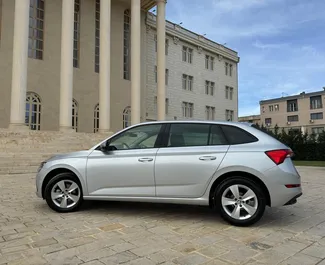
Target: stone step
18	170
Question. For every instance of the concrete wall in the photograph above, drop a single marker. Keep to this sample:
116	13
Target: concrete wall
279	116
44	75
174	92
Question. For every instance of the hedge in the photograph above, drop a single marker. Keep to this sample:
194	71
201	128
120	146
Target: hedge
306	147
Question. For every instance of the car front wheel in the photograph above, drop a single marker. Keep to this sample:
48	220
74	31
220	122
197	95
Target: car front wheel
241	201
63	193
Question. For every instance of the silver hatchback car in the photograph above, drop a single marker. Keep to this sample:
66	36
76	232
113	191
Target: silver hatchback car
232	167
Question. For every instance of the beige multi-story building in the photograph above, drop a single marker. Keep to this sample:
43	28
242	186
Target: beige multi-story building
256	119
85	64
303	112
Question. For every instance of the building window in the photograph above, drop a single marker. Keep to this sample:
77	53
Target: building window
292	105
293	118
75	108
294	131
166	45
317	130
187	109
126	45
229	115
210	113
187	83
228	68
126	117
209	88
276	107
271	108
33	111
76	34
166	75
36	29
316	102
229	92
209	62
97	35
316	116
166	105
268	121
187	54
96	118
0	17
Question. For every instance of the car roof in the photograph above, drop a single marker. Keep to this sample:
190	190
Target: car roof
199	121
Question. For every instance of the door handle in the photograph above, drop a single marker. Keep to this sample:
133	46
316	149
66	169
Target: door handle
145	159
205	158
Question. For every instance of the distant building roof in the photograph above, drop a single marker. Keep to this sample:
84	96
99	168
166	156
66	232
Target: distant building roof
301	95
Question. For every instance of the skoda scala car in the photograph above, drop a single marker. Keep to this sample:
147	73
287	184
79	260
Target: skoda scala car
232	167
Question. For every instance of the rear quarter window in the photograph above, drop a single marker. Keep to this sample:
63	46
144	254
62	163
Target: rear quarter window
236	135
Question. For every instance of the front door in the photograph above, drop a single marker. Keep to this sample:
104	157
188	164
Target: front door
193	154
128	170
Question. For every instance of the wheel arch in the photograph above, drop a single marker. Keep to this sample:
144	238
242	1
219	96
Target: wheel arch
244	174
54	173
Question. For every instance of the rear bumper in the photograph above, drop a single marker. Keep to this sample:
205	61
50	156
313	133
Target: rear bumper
293	200
276	180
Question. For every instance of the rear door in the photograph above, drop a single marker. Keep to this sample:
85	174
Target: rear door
191	156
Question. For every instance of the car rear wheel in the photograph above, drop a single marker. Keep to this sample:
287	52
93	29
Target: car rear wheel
241	201
63	193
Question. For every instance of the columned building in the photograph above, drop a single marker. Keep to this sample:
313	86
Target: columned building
87	65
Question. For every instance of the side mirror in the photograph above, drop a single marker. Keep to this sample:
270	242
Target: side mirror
105	147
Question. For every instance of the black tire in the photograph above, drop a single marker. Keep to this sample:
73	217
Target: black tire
260	198
63	177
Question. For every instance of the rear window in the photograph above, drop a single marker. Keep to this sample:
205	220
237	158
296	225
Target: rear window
237	135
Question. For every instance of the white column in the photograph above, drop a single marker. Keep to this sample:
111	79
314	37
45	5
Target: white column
19	65
135	61
66	77
105	66
161	60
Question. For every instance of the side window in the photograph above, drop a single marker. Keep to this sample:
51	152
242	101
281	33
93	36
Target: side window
190	134
217	137
139	137
237	135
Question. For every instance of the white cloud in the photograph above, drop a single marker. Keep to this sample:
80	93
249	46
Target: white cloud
264	46
235	5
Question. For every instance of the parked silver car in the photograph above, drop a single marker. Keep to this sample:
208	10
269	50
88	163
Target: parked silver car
232	167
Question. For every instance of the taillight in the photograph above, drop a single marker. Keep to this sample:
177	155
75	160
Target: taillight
278	156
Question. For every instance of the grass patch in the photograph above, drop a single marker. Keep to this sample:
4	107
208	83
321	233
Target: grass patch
309	163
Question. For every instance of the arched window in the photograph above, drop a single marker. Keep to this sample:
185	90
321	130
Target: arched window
33	111
75	109
126	44
126	117
96	118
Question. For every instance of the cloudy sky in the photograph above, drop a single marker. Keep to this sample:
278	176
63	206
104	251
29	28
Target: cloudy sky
281	43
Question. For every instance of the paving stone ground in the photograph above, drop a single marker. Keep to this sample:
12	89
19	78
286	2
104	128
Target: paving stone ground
148	234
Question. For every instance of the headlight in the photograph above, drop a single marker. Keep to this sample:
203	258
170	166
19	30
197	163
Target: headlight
41	166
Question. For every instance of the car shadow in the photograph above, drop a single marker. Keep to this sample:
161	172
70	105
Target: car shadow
141	209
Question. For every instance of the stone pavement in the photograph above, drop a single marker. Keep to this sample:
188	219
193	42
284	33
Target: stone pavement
147	234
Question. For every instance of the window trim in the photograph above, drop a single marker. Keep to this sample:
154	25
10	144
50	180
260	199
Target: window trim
246	132
317	114
157	145
165	139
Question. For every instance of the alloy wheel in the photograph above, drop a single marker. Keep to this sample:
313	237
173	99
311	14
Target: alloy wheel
65	194
239	202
